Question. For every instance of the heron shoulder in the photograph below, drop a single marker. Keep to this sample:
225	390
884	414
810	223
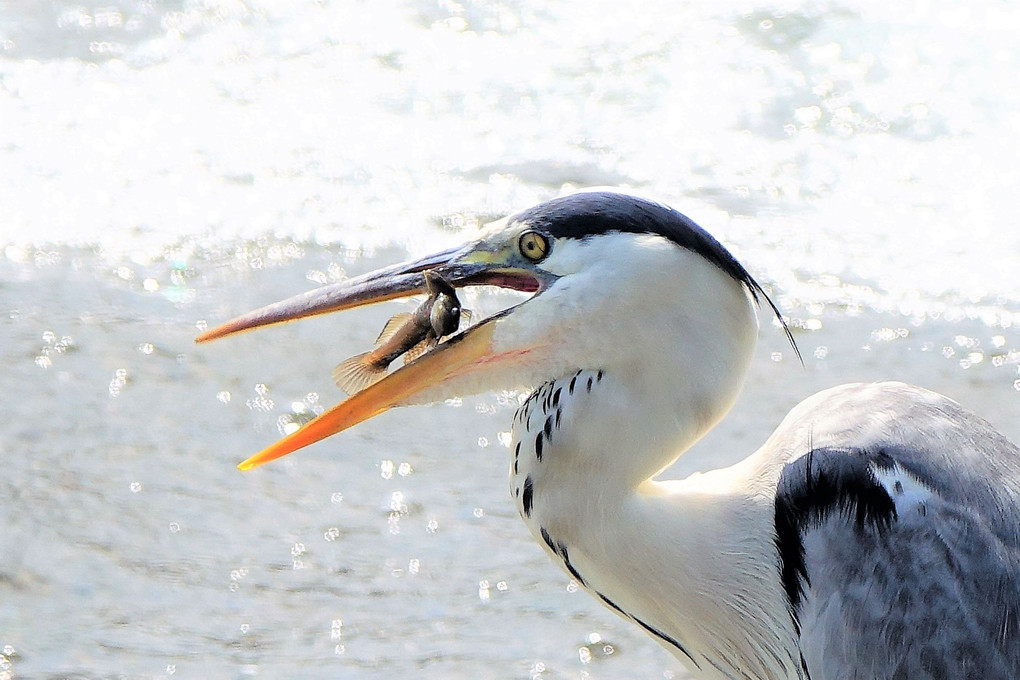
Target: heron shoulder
926	432
888	499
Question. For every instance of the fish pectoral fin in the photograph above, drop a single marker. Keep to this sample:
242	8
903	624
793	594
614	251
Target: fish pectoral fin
465	315
424	346
392	326
357	373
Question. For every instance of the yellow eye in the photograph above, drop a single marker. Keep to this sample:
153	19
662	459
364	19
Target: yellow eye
533	245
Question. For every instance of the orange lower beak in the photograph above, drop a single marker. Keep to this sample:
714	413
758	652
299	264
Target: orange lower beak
452	358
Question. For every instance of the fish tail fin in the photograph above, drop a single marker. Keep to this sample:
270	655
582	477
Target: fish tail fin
357	373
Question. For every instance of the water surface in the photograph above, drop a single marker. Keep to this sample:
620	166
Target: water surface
164	165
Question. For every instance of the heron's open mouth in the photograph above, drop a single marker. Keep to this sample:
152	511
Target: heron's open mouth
510	281
477	264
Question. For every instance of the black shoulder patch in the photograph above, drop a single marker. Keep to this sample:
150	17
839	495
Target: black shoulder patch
810	489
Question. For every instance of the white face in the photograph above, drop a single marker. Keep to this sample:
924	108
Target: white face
618	299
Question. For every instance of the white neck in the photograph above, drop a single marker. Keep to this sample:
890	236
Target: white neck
689	560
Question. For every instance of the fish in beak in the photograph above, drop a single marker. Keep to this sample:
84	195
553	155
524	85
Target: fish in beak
508	257
408	334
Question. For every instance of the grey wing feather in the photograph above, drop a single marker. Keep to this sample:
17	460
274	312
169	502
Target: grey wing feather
904	509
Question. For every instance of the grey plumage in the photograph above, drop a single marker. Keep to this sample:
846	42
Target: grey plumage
934	593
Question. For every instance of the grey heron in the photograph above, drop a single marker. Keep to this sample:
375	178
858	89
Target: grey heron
874	535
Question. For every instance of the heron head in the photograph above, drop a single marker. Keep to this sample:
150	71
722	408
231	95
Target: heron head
618	283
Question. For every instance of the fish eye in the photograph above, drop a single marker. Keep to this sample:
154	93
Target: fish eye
533	245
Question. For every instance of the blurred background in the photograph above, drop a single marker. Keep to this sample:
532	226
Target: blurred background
164	165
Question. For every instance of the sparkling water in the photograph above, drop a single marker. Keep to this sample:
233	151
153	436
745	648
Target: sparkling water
164	166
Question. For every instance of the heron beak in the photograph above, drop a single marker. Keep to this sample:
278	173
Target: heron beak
476	264
461	266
